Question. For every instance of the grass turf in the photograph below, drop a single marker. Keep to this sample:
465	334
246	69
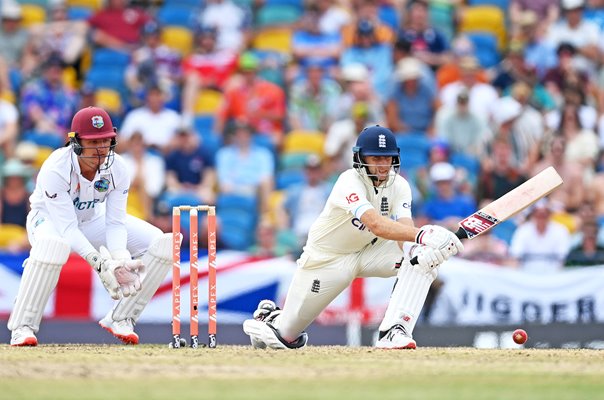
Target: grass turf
236	372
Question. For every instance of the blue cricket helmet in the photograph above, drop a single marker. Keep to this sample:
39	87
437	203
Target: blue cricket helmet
376	141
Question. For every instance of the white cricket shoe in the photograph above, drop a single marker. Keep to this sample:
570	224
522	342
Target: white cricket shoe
23	336
396	338
123	330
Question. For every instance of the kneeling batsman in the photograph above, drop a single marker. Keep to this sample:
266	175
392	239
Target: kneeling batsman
406	301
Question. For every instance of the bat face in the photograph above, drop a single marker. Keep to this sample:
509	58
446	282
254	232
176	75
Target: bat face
510	204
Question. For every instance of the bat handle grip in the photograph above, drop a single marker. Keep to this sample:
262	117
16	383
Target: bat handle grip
461	233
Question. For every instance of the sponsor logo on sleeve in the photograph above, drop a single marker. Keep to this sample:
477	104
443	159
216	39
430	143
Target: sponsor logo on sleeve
50	196
406	205
352	198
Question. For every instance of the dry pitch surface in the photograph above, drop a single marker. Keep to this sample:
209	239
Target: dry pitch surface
235	372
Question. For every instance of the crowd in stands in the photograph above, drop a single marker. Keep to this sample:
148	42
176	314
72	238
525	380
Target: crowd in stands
254	106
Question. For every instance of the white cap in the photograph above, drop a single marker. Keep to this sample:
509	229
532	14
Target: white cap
442	171
11	10
572	4
355	72
408	68
505	109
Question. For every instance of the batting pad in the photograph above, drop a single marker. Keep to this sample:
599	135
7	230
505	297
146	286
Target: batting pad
40	276
157	261
408	297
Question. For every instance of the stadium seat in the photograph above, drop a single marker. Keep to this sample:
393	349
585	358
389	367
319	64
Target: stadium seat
278	14
504	230
32	14
413	142
292	161
295	3
485	19
92	4
70	77
104	77
237	202
103	57
238	216
49	140
273	39
204	124
178	38
79	13
178	15
503	5
388	15
185	3
304	142
485	45
469	163
285	179
208	101
109	99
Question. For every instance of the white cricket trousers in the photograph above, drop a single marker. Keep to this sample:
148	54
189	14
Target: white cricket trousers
319	279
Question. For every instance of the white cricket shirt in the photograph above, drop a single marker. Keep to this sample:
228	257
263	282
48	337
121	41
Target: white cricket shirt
339	230
68	199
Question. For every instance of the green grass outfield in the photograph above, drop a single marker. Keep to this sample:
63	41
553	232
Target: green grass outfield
237	372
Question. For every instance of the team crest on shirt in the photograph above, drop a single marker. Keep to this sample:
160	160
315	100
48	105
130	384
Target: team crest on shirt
102	185
384	206
97	122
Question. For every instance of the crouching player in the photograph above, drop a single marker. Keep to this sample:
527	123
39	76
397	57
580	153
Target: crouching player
365	230
79	204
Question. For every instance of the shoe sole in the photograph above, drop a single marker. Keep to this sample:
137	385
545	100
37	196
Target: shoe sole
28	342
126	339
409	346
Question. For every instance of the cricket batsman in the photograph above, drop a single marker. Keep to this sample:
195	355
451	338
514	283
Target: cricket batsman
79	204
365	230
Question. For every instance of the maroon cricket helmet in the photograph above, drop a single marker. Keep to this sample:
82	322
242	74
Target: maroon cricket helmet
93	123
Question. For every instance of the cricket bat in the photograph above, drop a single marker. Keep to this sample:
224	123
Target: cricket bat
508	205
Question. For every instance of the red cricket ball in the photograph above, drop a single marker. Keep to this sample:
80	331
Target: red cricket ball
520	336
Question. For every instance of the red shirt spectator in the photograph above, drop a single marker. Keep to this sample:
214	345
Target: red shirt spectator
117	26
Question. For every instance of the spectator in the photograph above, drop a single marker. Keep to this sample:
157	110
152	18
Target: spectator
428	44
588	252
357	88
410	105
9	125
313	101
584	35
153	64
311	46
464	131
581	144
16	50
244	168
191	168
499	172
254	100
450	71
367	10
14	205
402	50
147	176
376	56
157	123
564	74
596	190
530	123
571	195
304	202
332	17
60	35
540	245
446	207
206	68
234	31
118	26
482	95
545	11
342	137
539	54
47	104
506	112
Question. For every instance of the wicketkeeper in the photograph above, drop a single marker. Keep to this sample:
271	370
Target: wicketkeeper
79	204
